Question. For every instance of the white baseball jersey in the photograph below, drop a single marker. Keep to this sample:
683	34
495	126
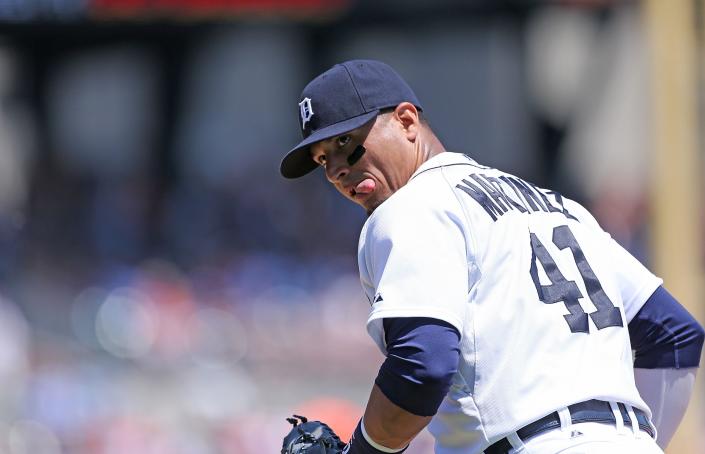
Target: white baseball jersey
540	294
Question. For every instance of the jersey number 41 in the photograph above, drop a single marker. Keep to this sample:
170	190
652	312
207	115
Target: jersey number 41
562	290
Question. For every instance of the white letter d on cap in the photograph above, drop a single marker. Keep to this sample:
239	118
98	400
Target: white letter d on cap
306	111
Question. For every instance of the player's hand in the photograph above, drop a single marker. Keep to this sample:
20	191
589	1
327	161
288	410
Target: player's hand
311	437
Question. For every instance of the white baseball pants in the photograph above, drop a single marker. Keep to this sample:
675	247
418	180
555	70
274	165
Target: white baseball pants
588	438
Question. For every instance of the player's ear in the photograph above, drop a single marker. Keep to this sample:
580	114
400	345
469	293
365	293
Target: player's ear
408	117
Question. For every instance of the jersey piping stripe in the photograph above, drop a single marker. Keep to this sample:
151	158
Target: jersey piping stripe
447	165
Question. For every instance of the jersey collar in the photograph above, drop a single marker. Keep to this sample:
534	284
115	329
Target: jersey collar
443	159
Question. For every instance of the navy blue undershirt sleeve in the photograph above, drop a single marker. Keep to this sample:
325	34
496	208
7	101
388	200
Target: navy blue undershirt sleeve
422	357
664	335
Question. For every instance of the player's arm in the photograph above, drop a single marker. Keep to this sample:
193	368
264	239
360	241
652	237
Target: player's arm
422	357
667	342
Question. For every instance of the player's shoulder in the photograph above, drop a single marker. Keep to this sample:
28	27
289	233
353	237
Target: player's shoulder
491	193
427	189
427	197
432	181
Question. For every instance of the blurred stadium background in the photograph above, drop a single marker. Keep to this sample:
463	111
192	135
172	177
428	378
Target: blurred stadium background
163	290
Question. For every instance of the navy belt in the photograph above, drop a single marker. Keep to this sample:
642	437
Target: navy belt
589	411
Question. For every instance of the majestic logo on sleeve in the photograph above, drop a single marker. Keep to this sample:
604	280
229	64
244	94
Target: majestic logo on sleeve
306	111
375	299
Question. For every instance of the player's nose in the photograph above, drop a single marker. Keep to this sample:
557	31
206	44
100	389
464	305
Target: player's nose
336	171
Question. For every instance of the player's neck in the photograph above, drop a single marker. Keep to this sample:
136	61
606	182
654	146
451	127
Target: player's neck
427	146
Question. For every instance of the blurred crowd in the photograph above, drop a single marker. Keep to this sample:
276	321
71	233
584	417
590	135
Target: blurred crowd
163	290
152	360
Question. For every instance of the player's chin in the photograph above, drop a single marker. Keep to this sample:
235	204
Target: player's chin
371	203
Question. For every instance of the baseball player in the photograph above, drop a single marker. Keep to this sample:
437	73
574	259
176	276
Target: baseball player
511	322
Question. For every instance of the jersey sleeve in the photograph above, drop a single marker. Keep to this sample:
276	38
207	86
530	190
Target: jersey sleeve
636	283
413	263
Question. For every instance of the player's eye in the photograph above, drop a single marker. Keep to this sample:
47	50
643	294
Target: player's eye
343	140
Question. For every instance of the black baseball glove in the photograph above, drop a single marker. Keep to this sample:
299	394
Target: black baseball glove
311	437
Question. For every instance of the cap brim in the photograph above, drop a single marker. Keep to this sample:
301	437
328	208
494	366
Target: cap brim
298	162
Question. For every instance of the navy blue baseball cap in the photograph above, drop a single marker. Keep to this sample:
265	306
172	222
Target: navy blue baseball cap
341	99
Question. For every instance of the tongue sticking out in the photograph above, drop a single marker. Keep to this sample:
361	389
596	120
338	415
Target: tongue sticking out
365	186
